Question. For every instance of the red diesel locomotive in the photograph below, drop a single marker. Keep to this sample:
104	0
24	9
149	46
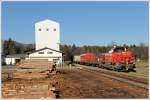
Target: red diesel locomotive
118	59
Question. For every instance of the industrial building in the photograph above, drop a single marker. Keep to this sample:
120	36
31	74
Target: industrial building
47	42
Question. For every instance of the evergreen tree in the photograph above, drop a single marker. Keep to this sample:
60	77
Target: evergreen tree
9	47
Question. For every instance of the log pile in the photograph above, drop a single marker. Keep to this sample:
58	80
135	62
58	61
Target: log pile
31	83
28	89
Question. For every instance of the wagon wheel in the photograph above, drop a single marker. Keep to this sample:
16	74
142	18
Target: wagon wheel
118	67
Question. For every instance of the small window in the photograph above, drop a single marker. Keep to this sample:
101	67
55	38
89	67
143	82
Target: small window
47	29
41	52
49	52
54	29
40	29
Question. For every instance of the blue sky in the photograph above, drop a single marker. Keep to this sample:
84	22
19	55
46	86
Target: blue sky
81	23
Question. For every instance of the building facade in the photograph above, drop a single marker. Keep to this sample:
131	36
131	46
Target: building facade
47	53
47	34
15	58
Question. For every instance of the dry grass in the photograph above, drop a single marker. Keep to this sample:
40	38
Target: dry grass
142	69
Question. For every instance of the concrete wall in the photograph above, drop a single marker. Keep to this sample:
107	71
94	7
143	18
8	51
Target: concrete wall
47	34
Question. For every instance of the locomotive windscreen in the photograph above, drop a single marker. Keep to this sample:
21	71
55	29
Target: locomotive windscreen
119	49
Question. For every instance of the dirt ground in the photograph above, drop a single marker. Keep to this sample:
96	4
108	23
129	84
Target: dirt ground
78	84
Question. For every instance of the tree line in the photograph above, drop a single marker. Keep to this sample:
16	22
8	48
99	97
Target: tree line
12	47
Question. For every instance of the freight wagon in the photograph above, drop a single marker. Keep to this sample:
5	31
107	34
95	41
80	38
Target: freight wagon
118	59
88	59
76	59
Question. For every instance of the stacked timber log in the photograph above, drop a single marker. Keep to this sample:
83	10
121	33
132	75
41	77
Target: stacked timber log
38	65
28	89
31	80
35	63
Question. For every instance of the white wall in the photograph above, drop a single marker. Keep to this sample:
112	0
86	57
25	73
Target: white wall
77	58
10	61
44	38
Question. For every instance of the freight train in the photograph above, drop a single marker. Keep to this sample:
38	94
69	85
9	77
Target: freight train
117	59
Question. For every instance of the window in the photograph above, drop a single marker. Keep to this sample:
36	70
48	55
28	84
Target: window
40	29
47	29
119	49
49	52
54	29
41	52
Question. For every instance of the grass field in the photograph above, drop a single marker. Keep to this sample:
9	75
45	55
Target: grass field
142	64
142	70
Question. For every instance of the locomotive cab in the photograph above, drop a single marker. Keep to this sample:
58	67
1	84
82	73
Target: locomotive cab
118	49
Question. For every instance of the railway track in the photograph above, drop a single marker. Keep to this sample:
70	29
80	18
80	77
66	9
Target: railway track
130	81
